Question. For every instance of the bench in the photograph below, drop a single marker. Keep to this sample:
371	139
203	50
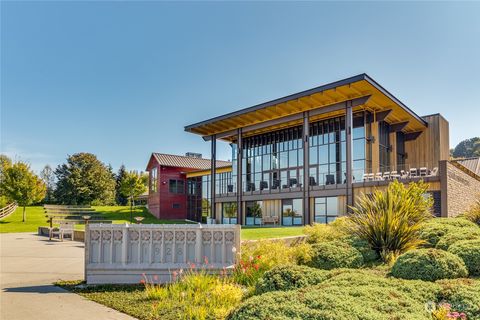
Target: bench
273	220
66	228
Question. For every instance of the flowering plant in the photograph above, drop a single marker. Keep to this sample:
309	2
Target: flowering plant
248	271
443	311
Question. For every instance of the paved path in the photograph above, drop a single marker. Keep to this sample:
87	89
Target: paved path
29	264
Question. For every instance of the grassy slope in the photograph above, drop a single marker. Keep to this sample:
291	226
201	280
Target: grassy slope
118	214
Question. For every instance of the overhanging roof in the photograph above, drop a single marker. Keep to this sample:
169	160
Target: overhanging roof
190	163
333	93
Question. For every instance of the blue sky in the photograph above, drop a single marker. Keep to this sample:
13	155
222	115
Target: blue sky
122	79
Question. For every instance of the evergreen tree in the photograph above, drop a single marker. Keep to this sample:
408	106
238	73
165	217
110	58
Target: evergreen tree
467	148
84	180
120	199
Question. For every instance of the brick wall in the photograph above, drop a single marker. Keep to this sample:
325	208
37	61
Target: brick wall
462	190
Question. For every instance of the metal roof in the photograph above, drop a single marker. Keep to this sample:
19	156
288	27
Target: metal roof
472	164
213	122
171	160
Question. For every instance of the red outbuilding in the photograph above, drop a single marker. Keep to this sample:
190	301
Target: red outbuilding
169	196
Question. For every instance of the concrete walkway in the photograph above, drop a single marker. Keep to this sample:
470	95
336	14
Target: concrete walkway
29	264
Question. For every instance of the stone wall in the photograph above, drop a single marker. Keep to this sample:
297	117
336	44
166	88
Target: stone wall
462	189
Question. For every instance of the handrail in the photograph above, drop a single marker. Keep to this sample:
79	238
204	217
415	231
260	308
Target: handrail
8	210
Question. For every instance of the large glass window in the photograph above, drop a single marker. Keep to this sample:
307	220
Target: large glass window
384	145
273	160
229	213
292	212
254	213
326	209
401	154
154	179
327	152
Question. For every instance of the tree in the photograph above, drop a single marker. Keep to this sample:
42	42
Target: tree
132	185
84	180
20	184
467	148
5	163
120	199
48	178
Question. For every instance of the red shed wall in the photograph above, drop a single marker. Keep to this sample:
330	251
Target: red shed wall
167	199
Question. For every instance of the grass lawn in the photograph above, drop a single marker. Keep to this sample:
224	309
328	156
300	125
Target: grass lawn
118	214
256	233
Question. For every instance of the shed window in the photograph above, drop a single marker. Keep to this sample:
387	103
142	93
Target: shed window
176	186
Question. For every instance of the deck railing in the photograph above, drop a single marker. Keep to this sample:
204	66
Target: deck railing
8	210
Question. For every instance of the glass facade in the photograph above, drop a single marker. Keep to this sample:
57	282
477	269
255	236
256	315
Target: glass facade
273	160
254	213
326	209
292	212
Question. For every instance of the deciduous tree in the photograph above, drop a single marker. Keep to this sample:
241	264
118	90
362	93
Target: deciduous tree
20	184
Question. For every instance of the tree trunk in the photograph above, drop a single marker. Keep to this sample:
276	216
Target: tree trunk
24	214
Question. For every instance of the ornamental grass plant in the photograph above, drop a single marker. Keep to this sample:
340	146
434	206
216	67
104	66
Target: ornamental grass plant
391	221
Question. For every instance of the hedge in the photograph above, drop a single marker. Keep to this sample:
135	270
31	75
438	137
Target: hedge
352	295
463	295
458	235
330	255
429	265
469	251
288	277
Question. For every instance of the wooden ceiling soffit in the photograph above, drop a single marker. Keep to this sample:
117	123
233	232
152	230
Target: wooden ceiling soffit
277	121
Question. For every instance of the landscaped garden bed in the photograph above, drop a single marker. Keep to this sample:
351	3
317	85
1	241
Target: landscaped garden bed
388	260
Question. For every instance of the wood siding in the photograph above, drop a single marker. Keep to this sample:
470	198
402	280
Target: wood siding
431	146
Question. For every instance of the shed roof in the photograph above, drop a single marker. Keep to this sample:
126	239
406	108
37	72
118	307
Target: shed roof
172	160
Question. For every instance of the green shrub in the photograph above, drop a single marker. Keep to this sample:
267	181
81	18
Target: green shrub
431	233
458	235
463	295
330	255
469	251
351	294
368	254
391	221
323	232
473	214
272	253
288	277
429	265
459	222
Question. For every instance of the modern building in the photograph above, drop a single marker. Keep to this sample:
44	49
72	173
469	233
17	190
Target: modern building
305	157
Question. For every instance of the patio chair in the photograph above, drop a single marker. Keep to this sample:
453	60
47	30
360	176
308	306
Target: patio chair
423	172
413	173
386	175
394	175
330	179
365	177
311	181
263	185
292	182
434	172
403	174
66	228
378	176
